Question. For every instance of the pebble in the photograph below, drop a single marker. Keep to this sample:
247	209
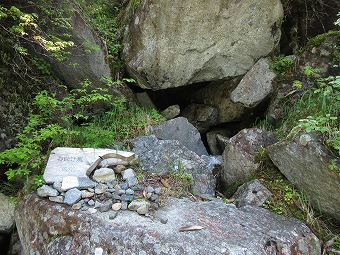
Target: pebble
143	209
124	186
98	251
116	197
154	197
129	192
57	186
121	192
124	205
128	173
119	168
47	191
92	210
113	215
85	183
105	207
109	185
150	189
126	197
117	206
69	182
100	188
72	196
158	190
137	187
104	175
77	206
91	203
57	199
86	194
163	219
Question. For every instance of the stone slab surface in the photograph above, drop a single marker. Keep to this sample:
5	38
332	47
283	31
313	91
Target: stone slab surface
64	161
227	230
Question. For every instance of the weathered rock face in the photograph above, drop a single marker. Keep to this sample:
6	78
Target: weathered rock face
228	230
305	163
163	156
181	130
255	86
6	215
172	44
239	156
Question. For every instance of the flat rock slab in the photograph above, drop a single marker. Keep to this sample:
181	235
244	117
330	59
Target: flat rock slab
65	161
228	230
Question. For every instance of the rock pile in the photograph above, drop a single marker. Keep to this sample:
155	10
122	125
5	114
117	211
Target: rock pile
111	189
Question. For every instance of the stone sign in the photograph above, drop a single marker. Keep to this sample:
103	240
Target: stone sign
80	162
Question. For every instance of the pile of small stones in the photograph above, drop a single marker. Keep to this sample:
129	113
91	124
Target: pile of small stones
104	192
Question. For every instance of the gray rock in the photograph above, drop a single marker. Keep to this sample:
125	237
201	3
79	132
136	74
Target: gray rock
144	99
143	209
216	43
6	214
85	183
255	86
251	193
104	175
47	191
213	140
162	156
201	116
100	188
181	130
113	215
91	202
129	192
171	112
57	199
105	206
229	230
238	159
72	196
126	197
130	178
307	167
149	189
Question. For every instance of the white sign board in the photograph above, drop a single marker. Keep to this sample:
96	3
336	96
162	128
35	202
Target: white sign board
79	162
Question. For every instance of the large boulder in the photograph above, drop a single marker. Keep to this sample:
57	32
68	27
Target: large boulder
175	43
305	161
226	230
166	156
181	130
238	162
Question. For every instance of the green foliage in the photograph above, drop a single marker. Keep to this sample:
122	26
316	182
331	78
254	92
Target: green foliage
26	26
281	64
102	15
54	122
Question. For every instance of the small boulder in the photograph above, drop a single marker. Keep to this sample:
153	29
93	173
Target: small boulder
255	86
238	161
163	156
181	130
251	193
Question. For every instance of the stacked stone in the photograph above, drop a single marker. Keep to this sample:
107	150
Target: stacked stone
105	192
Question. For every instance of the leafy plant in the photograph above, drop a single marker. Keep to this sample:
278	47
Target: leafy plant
281	64
54	122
